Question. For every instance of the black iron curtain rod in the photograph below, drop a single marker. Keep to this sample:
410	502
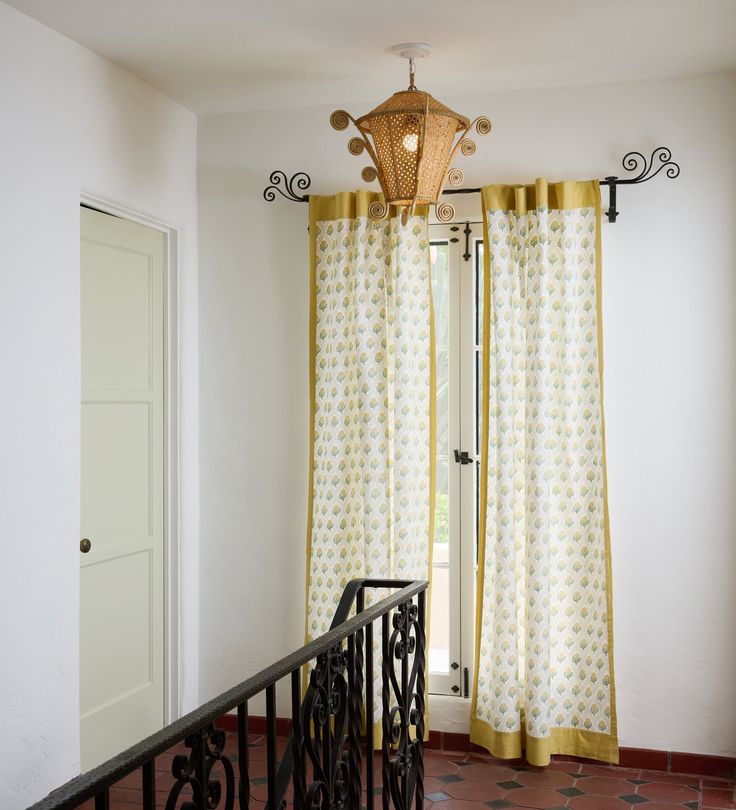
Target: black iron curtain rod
660	159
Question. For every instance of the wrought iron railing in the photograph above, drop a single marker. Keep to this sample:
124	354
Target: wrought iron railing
331	742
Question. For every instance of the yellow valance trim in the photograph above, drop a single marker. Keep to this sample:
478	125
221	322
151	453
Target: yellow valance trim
562	196
538	750
351	205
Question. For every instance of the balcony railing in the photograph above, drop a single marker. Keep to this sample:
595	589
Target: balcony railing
329	749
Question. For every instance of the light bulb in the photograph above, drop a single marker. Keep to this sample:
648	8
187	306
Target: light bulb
411	142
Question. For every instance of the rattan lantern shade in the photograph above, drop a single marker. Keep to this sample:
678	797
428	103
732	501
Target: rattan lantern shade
411	141
412	137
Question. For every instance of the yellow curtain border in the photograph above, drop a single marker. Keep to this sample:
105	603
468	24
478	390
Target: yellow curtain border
563	196
566	195
538	750
606	521
350	205
483	499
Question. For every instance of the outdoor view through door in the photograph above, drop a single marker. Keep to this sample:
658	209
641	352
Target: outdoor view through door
457	284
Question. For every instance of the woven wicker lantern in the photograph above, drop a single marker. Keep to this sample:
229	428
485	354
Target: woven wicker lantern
411	141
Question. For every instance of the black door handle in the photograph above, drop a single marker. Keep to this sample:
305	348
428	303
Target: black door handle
463	457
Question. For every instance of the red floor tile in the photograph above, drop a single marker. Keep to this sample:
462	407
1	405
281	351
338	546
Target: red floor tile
566	767
473	791
434	767
544	779
486	773
667	792
431	785
661	806
605	786
535	797
598	803
712	797
456	804
672	778
610	771
479	782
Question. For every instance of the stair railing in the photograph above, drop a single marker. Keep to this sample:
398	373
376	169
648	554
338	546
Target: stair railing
332	723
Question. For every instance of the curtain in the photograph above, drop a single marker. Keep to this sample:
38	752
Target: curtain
371	497
544	637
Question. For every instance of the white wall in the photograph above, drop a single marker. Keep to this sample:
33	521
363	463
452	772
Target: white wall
71	122
670	348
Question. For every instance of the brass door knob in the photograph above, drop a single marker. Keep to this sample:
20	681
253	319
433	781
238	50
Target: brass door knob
84	545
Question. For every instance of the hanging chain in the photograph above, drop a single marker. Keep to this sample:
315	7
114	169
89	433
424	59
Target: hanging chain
412	86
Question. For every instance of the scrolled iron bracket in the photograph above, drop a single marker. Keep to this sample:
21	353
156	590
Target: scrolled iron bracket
287	186
660	160
642	168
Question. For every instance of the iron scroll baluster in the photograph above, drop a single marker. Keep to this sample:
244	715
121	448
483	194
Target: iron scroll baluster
646	168
195	771
403	707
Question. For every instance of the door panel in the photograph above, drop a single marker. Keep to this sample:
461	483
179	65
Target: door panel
444	619
122	487
117	292
117	497
456	286
126	667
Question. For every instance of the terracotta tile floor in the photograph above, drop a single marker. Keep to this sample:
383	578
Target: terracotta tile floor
475	782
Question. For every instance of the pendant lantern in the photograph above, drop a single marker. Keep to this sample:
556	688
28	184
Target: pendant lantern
411	139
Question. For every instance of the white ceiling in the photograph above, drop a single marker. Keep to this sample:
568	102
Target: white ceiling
226	55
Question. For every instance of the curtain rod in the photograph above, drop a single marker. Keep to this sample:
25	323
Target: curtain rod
661	158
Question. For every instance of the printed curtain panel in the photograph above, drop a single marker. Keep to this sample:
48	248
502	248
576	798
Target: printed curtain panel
544	635
372	410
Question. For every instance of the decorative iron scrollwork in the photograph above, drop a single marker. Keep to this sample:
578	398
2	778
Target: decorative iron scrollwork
403	722
329	744
286	186
195	770
661	157
646	168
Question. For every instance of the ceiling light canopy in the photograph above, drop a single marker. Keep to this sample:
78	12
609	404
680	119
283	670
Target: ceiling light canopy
411	139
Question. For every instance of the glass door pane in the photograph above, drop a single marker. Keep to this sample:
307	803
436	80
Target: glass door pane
444	608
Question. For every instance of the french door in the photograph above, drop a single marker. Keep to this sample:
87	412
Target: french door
457	290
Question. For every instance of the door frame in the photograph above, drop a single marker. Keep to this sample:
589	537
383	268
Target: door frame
171	442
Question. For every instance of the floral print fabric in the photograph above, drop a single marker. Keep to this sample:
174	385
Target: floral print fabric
544	672
372	359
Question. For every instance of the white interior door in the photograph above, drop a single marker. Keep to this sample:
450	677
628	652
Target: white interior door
122	509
